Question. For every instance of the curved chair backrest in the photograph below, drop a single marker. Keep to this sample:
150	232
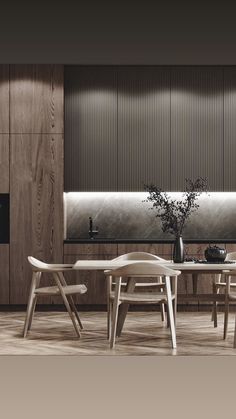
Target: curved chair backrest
138	256
139	269
231	256
38	265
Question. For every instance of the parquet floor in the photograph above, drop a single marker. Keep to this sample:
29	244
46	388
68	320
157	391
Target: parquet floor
143	334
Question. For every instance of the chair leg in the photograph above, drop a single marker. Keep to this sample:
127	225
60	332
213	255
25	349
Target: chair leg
115	312
163	313
175	300
66	302
76	312
215	290
170	311
214	308
109	307
72	303
30	303
226	315
32	311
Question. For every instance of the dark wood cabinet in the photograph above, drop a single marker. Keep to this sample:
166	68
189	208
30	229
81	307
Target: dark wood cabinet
36	171
143	128
229	129
94	280
36	99
91	129
4	163
4	99
4	274
197	143
36	206
127	126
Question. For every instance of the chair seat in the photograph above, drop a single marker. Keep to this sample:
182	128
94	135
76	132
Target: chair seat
137	297
143	284
68	290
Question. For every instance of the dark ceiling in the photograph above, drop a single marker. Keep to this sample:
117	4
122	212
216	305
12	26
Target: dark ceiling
98	32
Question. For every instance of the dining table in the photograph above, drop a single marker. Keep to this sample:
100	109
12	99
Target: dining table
192	268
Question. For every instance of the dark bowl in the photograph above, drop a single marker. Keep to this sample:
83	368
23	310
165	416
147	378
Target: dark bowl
213	254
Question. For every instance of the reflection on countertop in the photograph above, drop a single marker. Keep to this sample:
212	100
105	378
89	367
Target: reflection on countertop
134	241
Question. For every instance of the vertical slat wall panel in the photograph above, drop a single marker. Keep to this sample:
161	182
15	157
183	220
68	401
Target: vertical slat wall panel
36	209
143	128
197	126
4	99
36	99
230	129
4	163
91	129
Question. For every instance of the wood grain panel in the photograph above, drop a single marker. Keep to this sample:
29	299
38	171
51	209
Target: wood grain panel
94	280
36	99
4	274
197	126
36	208
205	281
4	163
4	99
91	129
143	128
229	129
90	249
159	249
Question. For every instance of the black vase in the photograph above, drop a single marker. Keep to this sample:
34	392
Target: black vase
178	253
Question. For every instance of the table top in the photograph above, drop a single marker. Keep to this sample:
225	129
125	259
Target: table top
186	266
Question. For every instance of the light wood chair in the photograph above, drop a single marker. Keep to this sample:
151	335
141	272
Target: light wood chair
142	270
223	282
59	289
130	285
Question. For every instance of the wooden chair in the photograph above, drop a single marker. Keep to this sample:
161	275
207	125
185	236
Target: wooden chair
59	289
223	282
135	270
130	285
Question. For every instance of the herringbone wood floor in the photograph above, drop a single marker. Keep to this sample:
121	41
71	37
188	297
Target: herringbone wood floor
144	334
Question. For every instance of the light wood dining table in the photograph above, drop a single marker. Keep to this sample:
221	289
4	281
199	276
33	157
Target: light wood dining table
186	268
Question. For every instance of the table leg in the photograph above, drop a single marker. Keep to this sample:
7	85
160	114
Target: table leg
124	307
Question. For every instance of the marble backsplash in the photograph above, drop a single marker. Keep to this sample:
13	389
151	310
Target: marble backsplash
124	215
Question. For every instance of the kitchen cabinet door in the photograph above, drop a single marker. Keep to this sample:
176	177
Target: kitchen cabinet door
229	129
90	129
143	127
197	144
36	99
36	207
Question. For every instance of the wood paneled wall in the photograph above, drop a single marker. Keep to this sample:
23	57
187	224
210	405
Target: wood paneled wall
4	178
31	163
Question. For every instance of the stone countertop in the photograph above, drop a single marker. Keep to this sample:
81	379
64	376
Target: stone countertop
147	241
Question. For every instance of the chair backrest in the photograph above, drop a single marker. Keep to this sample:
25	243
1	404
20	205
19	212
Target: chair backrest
37	264
145	269
231	256
138	256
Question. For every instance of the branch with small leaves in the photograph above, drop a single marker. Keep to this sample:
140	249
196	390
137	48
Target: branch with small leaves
173	213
